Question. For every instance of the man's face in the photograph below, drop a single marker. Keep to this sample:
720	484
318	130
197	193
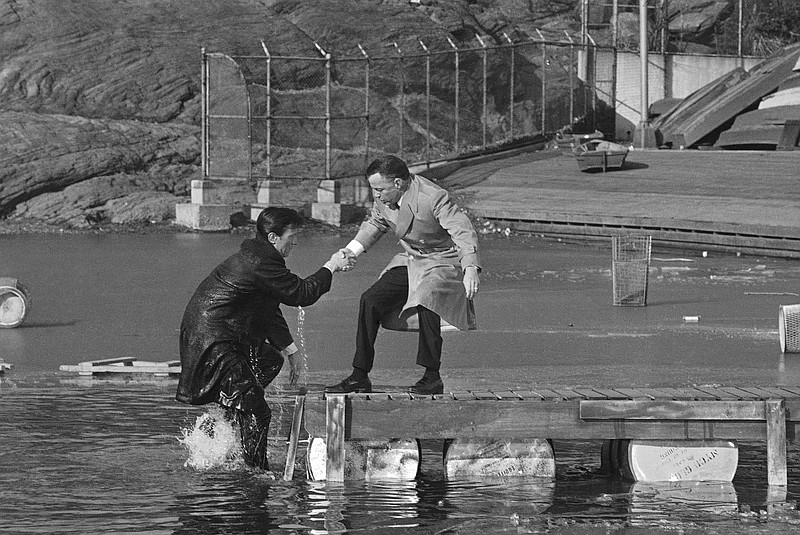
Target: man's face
284	244
385	190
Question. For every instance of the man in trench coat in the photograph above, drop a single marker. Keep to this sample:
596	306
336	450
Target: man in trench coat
435	276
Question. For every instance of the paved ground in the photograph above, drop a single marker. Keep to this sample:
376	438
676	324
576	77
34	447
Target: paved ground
744	199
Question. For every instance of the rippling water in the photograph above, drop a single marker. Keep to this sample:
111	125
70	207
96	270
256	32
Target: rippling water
91	456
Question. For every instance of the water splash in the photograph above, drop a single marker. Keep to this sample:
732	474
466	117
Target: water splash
301	318
213	442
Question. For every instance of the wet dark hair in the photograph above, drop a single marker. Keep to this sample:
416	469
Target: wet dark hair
388	166
277	219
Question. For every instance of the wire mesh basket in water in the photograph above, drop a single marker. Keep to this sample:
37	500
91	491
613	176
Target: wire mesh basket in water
789	328
630	266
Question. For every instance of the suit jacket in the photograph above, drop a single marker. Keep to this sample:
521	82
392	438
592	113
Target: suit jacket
239	303
438	242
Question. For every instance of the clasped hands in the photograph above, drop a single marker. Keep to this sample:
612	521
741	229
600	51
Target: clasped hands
342	260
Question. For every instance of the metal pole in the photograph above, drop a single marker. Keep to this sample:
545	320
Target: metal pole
427	105
544	81
204	113
741	31
485	59
644	60
269	113
572	68
511	89
456	103
614	59
366	105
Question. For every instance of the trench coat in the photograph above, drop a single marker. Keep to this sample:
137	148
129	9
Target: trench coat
239	303
438	242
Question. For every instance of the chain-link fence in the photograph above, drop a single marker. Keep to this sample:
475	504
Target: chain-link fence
720	27
277	117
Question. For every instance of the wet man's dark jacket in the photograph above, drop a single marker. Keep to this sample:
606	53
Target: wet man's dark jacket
239	303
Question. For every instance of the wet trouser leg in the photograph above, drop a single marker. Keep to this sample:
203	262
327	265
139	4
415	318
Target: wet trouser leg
429	349
242	393
378	301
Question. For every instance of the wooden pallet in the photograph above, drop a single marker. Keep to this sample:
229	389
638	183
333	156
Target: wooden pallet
733	413
124	365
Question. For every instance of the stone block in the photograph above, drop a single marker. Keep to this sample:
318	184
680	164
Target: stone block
329	191
220	191
335	213
208	217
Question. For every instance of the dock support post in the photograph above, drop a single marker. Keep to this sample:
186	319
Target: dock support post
776	442
334	436
294	437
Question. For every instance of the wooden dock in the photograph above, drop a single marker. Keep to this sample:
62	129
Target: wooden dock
730	200
769	414
124	366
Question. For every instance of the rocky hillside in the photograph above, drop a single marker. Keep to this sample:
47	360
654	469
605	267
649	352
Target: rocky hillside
99	99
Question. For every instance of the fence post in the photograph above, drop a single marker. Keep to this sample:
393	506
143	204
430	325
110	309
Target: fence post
366	106
204	113
402	95
572	68
327	110
427	105
269	110
544	81
456	103
511	89
485	60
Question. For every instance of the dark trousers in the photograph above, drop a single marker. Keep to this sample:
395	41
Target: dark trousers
381	299
242	394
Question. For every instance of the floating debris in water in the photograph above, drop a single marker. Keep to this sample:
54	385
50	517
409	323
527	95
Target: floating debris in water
213	442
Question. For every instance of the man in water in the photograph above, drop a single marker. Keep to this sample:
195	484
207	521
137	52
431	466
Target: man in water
436	275
233	336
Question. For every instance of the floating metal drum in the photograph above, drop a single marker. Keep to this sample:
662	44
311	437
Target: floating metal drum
15	302
468	458
789	328
678	460
372	460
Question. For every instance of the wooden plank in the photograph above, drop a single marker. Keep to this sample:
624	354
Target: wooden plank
529	395
462	394
507	395
761	393
671	410
776	442
589	393
654	393
672	393
632	393
542	419
716	392
489	396
294	437
793	389
334	437
546	393
103	362
779	392
610	393
696	393
567	393
742	394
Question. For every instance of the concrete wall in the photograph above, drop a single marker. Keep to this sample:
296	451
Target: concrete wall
673	76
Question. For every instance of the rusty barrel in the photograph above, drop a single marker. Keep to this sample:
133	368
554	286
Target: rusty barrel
15	302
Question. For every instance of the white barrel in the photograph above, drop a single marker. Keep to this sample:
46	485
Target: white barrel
499	458
678	460
789	328
15	303
373	460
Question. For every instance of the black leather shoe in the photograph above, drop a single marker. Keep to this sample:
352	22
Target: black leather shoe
427	387
350	385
